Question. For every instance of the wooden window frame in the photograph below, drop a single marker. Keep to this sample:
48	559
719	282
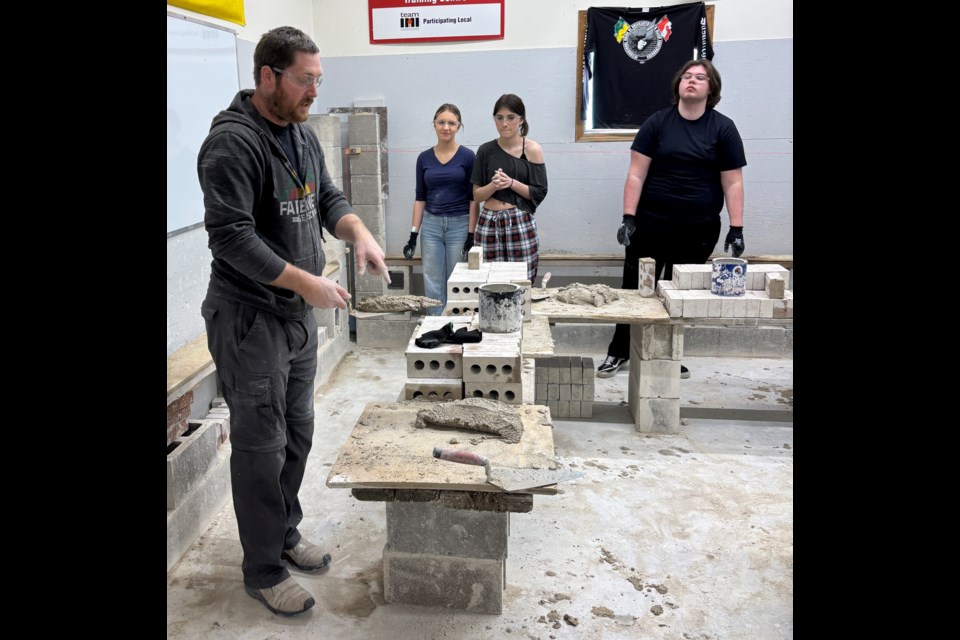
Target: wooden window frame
593	135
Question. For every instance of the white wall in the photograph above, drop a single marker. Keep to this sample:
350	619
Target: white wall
342	27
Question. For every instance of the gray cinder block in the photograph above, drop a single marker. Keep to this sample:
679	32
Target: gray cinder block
189	462
428	527
448	582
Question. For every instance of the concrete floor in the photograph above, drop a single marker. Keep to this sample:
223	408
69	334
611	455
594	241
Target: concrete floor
687	535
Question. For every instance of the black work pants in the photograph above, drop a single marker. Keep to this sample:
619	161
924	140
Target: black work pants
266	366
668	243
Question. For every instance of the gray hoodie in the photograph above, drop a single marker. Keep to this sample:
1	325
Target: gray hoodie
259	214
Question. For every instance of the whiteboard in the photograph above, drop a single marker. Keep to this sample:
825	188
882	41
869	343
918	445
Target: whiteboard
202	80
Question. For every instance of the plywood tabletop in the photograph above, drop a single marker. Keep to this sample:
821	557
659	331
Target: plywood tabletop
386	450
630	308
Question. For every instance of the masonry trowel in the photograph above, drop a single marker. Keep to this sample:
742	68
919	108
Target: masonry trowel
509	479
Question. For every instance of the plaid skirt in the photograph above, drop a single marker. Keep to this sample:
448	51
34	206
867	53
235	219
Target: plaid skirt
509	236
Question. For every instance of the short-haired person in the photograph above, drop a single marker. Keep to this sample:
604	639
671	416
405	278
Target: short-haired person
268	198
686	161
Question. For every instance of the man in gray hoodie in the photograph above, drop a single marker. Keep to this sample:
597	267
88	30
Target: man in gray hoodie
268	198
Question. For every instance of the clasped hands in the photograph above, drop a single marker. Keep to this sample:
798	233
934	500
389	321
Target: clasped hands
501	180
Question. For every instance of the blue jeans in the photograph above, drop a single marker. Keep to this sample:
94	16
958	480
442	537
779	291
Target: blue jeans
441	246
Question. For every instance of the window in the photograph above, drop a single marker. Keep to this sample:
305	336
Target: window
585	132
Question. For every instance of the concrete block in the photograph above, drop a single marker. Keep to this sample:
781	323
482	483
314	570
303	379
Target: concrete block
727	307
462	308
372	216
490	368
576	392
681	276
657	415
586	409
588	370
648	277
752	307
565	392
563	408
553	371
756	342
775	285
187	522
672	301
552	405
363	129
657	341
366	190
540	393
333	160
701	341
365	163
475	258
428	527
433	389
563	369
508	392
378	333
447	582
573	410
327	128
696	303
446	361
576	370
656	378
553	392
766	308
189	462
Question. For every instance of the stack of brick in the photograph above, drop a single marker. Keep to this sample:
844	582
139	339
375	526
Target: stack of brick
463	285
653	391
565	384
492	367
445	557
687	294
434	374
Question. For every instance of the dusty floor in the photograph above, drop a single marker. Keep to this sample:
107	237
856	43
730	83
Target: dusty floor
684	536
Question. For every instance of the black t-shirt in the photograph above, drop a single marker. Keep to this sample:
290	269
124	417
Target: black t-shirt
687	156
636	53
284	136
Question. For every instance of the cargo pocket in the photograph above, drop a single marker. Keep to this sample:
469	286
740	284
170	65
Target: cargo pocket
254	425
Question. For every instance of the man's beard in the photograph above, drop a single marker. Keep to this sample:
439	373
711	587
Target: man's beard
280	107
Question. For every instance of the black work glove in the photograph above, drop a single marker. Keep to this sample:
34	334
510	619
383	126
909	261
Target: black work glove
734	239
627	227
465	336
433	339
410	246
467	245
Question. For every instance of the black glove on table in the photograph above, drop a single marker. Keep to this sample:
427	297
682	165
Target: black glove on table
467	245
627	227
433	339
734	239
410	246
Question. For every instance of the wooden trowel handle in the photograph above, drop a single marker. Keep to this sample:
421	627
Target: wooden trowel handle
461	456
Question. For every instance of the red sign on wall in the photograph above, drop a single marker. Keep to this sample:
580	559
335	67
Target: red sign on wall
435	20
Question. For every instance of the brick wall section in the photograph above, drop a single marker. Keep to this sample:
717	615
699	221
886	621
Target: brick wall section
177	413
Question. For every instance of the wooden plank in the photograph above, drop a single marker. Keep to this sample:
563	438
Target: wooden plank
188	365
386	450
630	308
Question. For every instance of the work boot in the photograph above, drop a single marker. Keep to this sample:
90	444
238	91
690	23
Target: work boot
306	556
287	598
